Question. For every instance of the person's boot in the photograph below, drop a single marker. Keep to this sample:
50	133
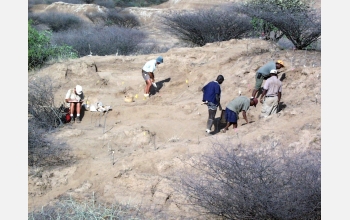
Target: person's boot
209	124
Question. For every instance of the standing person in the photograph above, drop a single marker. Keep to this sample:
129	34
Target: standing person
211	96
233	108
264	73
272	93
148	73
75	97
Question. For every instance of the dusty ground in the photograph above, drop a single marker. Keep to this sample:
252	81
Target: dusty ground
130	153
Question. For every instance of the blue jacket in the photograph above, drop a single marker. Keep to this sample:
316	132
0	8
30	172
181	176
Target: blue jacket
210	92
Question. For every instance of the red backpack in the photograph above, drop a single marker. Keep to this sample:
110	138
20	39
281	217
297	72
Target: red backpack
68	118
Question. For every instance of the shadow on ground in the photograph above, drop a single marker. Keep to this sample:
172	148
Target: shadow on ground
160	85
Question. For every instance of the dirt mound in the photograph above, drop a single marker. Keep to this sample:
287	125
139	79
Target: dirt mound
130	154
76	9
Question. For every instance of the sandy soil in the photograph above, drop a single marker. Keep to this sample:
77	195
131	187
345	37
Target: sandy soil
130	153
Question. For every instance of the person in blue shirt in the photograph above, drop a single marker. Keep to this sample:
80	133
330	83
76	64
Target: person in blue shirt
211	97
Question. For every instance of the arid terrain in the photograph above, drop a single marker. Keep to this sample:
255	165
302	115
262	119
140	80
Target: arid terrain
130	153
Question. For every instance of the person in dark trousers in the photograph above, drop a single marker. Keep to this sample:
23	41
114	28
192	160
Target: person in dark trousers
263	73
211	97
234	107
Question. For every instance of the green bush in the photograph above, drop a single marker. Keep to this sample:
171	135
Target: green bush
38	47
40	50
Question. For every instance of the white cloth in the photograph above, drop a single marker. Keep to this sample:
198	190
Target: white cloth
270	106
150	66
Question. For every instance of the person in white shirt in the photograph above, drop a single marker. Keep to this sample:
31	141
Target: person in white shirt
271	96
75	97
148	73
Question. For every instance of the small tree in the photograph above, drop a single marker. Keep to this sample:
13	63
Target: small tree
301	28
293	18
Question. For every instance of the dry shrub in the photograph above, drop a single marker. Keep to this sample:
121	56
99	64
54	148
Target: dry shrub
244	182
43	118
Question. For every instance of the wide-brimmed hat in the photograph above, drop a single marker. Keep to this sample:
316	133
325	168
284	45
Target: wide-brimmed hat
280	62
78	89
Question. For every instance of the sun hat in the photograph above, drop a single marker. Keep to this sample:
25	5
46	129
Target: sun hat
273	71
78	89
280	62
159	59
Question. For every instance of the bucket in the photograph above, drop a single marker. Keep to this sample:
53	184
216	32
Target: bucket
223	117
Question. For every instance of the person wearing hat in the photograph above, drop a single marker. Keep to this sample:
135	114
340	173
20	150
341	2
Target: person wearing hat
271	96
148	73
75	97
211	97
264	73
234	107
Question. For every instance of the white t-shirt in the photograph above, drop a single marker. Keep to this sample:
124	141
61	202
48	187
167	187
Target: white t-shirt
150	66
71	95
273	86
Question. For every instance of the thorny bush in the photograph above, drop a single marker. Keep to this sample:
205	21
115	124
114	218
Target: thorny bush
245	182
41	104
300	23
114	17
102	41
44	117
207	26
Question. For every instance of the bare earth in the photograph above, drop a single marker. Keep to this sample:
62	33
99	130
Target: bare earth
130	153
